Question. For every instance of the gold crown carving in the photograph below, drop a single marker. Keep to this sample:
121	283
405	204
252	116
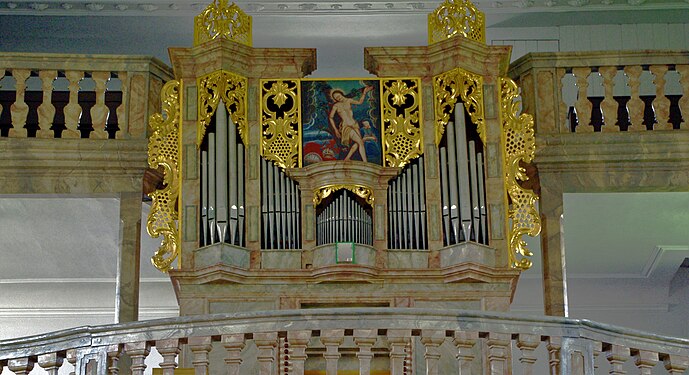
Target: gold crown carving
220	20
456	17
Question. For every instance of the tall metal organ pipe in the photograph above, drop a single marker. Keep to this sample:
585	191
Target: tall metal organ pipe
462	184
222	183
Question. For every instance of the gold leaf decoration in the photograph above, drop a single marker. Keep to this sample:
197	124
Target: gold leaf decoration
520	146
220	20
456	17
362	191
280	140
163	152
451	86
232	89
402	132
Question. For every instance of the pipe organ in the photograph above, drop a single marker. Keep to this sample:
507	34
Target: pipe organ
222	183
343	218
462	183
407	208
280	209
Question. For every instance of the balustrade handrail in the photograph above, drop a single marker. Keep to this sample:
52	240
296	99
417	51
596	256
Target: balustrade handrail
332	319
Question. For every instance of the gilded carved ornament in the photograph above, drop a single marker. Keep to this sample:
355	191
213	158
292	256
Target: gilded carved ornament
232	89
456	17
402	133
519	146
220	20
451	86
164	152
362	191
280	140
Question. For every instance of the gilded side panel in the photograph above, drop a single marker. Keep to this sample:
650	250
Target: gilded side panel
280	138
163	153
519	147
232	89
403	134
451	86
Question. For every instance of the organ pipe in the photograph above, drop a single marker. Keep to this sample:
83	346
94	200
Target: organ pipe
204	198
463	170
211	187
344	219
280	209
221	170
407	209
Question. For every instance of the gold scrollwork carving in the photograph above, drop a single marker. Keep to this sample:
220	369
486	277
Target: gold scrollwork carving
220	20
362	191
448	87
280	141
232	89
456	17
403	134
520	145
163	152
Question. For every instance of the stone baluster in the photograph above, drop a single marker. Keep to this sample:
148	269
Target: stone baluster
99	111
298	341
398	340
432	339
46	111
168	349
617	355
72	359
21	366
583	105
138	351
465	342
635	106
562	106
676	364
73	109
365	339
498	346
645	361
661	104
332	339
200	347
683	71
553	345
597	349
234	344
19	109
609	104
51	362
122	119
527	344
266	344
114	352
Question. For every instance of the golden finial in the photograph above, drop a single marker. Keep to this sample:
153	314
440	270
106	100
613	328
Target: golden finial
220	20
456	17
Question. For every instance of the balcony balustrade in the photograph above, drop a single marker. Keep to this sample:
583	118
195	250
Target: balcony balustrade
356	340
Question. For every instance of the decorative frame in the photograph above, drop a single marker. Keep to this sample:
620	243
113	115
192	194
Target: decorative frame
280	119
220	20
232	89
164	151
456	17
362	191
402	121
519	147
454	84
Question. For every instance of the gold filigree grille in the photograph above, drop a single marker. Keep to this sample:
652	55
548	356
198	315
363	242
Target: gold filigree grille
403	135
229	87
280	141
456	17
448	87
520	145
163	152
362	191
220	20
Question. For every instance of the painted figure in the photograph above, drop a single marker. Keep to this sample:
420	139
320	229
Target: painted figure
348	132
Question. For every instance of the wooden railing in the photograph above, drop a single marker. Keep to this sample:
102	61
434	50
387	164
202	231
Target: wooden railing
605	91
78	96
354	340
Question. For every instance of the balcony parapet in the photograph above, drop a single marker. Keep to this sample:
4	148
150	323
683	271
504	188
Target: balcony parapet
605	91
79	96
367	339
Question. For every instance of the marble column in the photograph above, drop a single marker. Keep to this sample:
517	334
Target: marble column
553	246
128	260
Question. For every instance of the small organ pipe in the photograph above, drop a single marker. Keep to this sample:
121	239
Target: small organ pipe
211	187
444	193
271	206
417	225
240	193
204	198
422	194
483	236
232	161
476	216
454	193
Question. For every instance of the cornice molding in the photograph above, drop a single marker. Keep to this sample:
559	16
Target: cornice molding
277	8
